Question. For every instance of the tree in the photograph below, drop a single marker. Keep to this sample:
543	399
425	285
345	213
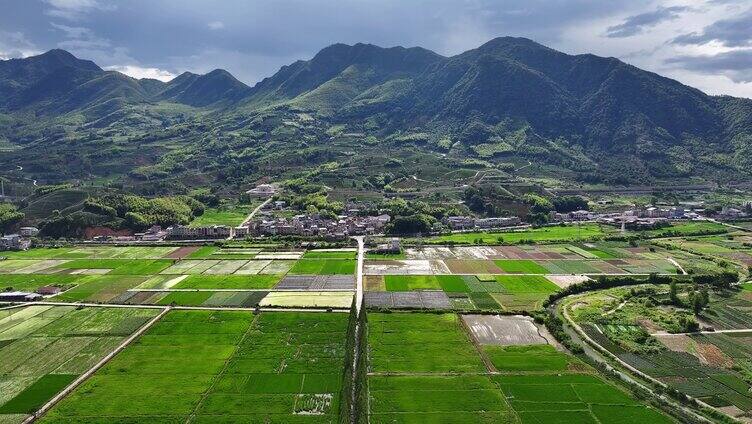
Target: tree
570	203
413	224
9	216
673	294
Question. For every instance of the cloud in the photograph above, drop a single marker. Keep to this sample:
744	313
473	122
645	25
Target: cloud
735	64
216	25
15	44
636	24
75	9
733	32
141	72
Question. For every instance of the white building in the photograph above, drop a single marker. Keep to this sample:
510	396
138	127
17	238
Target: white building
262	191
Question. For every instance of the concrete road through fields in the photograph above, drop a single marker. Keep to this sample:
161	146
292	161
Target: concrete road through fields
359	278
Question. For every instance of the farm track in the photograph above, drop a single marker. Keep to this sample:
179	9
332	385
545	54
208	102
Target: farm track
731	331
676	264
188	308
253	213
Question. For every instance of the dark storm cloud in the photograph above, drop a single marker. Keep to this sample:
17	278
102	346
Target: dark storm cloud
735	64
636	24
734	32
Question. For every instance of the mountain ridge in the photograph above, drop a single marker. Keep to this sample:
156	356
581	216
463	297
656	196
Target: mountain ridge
509	99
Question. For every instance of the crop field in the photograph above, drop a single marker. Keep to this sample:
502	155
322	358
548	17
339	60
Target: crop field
546	234
520	266
44	348
330	254
425	368
462	292
214	366
323	267
713	367
94	252
230	276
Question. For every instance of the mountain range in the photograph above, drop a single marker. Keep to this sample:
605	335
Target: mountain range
509	101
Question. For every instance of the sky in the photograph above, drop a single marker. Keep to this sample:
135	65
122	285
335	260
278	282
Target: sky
703	43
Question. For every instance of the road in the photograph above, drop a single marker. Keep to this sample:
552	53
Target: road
253	213
359	278
676	264
736	330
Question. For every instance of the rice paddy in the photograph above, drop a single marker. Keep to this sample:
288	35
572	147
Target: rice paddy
425	368
221	356
210	366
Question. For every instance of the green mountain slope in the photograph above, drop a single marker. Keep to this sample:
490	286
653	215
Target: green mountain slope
509	101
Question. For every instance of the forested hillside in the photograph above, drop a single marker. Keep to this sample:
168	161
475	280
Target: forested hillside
506	103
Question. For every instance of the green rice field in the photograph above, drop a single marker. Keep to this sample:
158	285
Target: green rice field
424	368
212	366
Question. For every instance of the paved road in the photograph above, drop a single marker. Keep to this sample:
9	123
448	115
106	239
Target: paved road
254	212
359	278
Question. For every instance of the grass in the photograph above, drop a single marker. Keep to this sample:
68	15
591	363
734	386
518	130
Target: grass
230	215
323	267
520	266
690	228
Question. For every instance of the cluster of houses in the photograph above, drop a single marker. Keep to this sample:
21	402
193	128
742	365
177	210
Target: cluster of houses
473	223
318	226
649	217
20	241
